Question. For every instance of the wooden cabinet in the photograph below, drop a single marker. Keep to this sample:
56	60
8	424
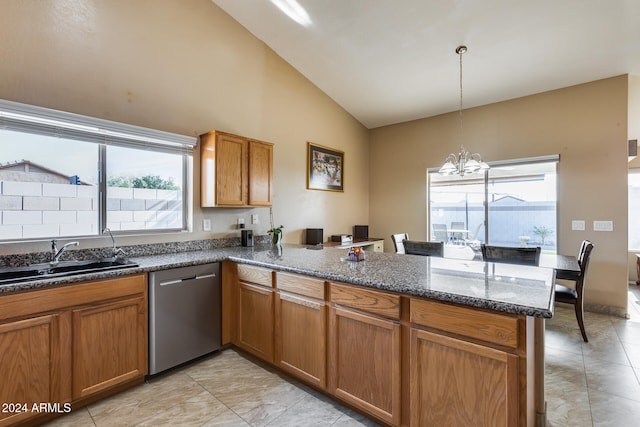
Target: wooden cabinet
67	344
465	366
365	364
31	365
109	345
260	173
457	383
301	328
255	312
235	171
402	360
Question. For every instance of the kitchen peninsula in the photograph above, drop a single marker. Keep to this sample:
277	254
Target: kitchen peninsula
408	340
423	341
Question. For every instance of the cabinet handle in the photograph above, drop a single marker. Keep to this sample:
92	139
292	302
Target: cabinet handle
185	279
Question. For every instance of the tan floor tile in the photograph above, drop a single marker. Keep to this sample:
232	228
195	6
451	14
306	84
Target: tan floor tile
354	419
309	411
226	419
145	401
194	412
76	418
617	380
566	391
614	411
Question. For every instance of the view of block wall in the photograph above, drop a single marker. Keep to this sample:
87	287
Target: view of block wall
42	210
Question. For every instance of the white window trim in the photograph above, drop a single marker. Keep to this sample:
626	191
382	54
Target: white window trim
44	121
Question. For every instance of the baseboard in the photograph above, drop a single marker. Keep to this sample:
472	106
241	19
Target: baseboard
607	309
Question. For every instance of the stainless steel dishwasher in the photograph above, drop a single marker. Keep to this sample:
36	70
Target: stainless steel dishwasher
184	315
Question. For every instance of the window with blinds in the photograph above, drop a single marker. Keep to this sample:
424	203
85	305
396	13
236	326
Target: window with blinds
67	175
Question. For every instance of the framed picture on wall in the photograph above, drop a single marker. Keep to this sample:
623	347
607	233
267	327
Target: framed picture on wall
325	168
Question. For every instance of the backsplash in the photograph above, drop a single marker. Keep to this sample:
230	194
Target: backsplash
130	251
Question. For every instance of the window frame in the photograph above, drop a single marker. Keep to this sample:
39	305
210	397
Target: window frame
32	119
485	179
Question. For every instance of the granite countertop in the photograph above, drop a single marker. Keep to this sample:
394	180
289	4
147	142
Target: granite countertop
502	287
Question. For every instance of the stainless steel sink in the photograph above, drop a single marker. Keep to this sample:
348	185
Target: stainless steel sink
61	269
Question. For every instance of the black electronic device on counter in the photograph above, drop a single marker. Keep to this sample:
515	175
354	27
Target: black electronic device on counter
314	236
361	232
246	237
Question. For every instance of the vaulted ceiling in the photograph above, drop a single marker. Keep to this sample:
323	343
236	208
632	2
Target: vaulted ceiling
390	61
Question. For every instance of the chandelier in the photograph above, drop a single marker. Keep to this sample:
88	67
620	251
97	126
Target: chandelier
464	162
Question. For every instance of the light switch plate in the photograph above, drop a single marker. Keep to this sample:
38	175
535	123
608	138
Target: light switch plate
206	224
602	225
577	225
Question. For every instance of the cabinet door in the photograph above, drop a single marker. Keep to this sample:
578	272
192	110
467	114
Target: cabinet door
255	320
260	173
31	365
301	337
109	345
365	366
457	383
231	170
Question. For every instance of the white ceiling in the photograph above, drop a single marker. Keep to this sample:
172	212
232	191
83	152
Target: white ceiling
390	61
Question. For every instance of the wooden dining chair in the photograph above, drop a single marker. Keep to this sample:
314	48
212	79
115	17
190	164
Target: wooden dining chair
412	247
511	255
575	295
397	241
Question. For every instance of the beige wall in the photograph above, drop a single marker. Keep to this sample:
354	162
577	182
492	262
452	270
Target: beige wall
634	133
585	124
185	66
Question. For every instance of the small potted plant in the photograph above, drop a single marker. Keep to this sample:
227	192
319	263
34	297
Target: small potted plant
276	234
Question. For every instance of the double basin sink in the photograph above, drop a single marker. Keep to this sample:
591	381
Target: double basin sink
61	269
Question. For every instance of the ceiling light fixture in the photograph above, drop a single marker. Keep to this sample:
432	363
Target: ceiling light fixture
293	10
464	162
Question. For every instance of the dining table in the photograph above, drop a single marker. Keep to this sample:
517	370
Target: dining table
566	266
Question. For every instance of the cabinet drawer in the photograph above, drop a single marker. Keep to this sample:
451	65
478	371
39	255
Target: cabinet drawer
374	302
470	322
301	285
260	276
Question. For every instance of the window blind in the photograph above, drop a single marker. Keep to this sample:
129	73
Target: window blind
19	117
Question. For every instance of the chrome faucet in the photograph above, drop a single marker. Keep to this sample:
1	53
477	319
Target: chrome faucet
114	250
56	254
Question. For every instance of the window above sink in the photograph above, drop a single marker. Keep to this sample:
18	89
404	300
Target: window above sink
66	175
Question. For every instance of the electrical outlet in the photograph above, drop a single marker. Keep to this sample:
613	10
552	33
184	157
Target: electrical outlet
602	225
577	225
255	219
206	224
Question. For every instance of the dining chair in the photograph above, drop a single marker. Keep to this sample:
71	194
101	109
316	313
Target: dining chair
511	255
455	225
413	247
472	241
397	242
575	295
440	232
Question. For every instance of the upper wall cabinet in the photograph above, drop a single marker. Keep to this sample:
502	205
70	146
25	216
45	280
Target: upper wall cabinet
235	171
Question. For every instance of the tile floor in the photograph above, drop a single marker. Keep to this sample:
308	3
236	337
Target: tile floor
595	383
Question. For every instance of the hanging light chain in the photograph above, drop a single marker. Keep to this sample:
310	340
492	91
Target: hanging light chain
460	50
465	162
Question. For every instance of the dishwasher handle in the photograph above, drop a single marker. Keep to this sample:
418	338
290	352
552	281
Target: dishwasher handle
186	279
